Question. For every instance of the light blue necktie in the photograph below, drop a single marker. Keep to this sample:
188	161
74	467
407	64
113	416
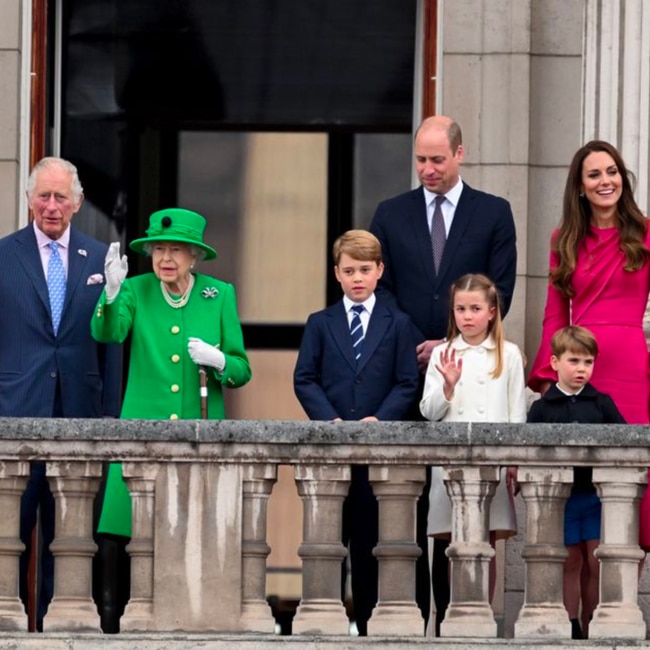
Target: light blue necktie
56	285
356	331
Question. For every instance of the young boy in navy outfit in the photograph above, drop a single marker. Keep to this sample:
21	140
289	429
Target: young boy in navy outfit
574	399
364	371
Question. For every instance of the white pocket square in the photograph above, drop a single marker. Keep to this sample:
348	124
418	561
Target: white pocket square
95	278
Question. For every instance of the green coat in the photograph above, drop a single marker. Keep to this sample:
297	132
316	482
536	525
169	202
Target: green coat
163	381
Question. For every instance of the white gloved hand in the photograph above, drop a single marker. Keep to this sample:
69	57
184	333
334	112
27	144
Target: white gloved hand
204	354
115	270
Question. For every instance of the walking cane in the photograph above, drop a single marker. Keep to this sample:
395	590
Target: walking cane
203	391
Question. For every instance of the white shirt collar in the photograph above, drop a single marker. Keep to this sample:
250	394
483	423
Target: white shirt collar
557	384
453	196
43	240
369	304
460	344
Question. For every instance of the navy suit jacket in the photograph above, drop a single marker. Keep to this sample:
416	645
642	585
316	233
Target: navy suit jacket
31	356
482	239
330	384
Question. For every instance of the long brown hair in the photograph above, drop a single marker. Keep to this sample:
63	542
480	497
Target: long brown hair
478	282
576	217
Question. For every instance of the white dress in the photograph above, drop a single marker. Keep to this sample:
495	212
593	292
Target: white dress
478	397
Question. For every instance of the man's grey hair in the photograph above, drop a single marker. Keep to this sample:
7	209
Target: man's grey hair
49	163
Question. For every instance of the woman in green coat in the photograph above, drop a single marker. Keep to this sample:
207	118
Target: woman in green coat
178	320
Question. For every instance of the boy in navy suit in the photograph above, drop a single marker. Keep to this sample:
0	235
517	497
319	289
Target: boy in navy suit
357	362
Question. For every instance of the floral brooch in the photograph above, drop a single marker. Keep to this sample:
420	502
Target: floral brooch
210	292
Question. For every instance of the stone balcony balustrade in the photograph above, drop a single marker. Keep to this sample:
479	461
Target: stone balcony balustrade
199	547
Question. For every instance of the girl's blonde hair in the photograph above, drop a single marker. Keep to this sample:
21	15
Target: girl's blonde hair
478	282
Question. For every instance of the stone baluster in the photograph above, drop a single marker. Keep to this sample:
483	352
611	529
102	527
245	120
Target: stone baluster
258	482
618	614
397	490
545	490
13	479
322	489
469	613
141	481
73	485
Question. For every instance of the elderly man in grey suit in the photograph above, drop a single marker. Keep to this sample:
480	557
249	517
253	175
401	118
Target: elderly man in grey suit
430	237
51	277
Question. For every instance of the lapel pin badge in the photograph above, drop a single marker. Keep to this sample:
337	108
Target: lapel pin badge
82	252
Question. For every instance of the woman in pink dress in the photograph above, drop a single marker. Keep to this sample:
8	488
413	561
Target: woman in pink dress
600	278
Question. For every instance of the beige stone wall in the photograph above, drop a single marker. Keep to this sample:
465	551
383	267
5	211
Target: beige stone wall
555	134
511	75
10	101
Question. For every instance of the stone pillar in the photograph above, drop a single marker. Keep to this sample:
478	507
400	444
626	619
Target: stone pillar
616	89
258	482
397	490
73	485
197	547
141	481
618	614
545	490
322	489
13	479
469	613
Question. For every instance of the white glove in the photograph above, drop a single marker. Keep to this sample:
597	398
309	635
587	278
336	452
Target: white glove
115	270
204	354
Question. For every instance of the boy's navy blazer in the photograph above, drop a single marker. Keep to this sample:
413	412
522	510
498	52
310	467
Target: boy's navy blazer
32	358
482	239
330	384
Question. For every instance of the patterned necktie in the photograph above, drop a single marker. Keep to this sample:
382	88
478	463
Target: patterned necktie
56	285
438	235
356	331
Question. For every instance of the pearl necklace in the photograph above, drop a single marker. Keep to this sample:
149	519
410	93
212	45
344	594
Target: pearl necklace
182	301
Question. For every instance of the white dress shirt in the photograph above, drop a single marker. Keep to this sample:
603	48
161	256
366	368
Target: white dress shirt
448	207
369	305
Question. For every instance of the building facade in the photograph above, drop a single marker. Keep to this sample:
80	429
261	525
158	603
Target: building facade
286	126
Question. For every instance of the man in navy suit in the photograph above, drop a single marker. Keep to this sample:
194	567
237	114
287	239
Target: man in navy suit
51	366
478	237
358	368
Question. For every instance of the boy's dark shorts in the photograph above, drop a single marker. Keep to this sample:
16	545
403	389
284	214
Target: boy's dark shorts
582	515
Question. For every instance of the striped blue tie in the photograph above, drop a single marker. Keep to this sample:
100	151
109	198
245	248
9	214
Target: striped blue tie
56	285
356	331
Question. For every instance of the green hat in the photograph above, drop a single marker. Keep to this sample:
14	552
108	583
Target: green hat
178	225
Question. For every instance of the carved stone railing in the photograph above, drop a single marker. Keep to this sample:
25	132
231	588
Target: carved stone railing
200	491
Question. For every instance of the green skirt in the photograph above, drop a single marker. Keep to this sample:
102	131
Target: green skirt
115	517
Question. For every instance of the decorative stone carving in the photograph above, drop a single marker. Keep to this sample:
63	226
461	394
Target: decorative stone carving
545	490
322	489
397	489
13	479
74	485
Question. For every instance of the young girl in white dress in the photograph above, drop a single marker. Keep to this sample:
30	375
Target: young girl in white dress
474	376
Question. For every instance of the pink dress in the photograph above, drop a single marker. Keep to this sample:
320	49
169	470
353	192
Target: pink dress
610	302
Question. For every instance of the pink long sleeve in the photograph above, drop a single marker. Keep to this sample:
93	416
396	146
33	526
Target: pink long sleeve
556	315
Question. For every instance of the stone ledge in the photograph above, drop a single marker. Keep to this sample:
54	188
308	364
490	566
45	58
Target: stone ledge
291	432
390	443
256	642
